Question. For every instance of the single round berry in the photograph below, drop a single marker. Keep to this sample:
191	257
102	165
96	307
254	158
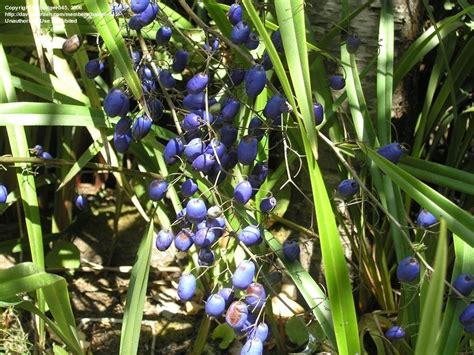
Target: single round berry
116	103
148	15
256	128
136	57
260	170
166	79
408	269
395	333
426	219
173	149
194	102
122	141
266	62
250	235
228	135
347	188
240	33
393	152
260	332
94	68
291	250
156	108
253	41
197	83
275	107
229	159
237	76
235	13
268	204
253	346
467	315
135	23
191	122
215	305
141	127
277	42
164	238
255	295
186	287
196	210
45	155
157	190
237	315
184	240
217	225
163	35
180	61
352	43
247	150
204	162
193	149
215	148
188	188
243	275
38	149
230	109
81	202
206	257
243	192
204	237
337	82
138	6
3	193
464	284
318	111
255	81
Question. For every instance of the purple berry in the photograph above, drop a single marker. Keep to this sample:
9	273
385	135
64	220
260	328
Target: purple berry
188	188
204	162
253	41
38	149
277	42
94	68
215	305
260	170
229	159
173	149
253	346
467	316
235	13
81	203
464	284
193	149
138	6
243	192
215	148
196	210
45	155
237	76
240	33
122	141
268	204
255	295
197	83
135	23
217	225
291	250
157	190
228	135
186	287
180	61
243	275
237	315
163	35
260	332
194	102
206	257
148	15
392	152
184	240
337	82
266	62
247	150
3	194
275	107
141	127
191	122
156	108
426	219
204	237
352	43
227	294
164	238
318	110
230	109
250	235
348	188
395	333
408	269
255	80
116	103
166	79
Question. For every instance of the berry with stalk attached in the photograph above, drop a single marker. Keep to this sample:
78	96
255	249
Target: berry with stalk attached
180	61
157	190
255	295
141	127
250	235
255	81
138	6
184	240
196	210
408	269
243	275
464	284
268	204
197	83
347	188
206	257
291	250
116	103
215	305
194	102
247	150
188	188
173	149
163	35
243	192
352	43
237	315
194	148
393	152
204	237
426	219
240	33
235	14
204	162
253	346
164	238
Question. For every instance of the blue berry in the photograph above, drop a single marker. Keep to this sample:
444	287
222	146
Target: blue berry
206	257
275	107
188	188
45	155
256	295
256	128
156	108
250	235
228	135
395	333
215	148
426	219
166	79
196	210
268	204
184	240
253	41
243	275
163	35
464	284
136	57
243	192
318	110
193	149
122	141
227	294
164	238
116	103
260	170
180	60
467	315
197	83
186	287
149	14
247	150
204	237
393	152
141	127
215	305
217	225
408	269
291	250
118	9
260	332
237	315
348	188
193	102
235	14
138	6
255	81
337	82
352	43
94	68
3	194
277	42
173	149
253	346
230	109
135	23
237	76
204	162
191	122
38	149
81	202
157	190
229	159
240	33
266	62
